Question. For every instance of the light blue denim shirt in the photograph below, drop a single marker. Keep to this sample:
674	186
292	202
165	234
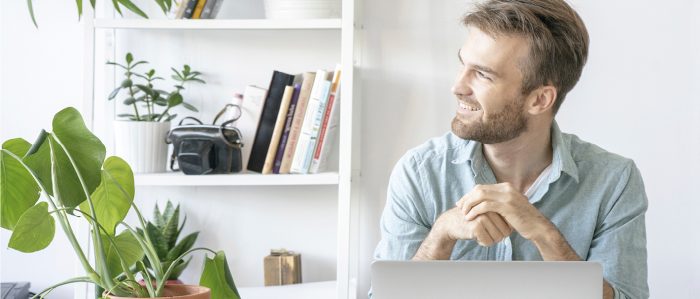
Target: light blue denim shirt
594	197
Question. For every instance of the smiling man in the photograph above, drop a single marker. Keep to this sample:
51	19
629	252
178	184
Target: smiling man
506	184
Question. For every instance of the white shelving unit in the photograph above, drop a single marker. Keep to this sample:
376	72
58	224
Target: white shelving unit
346	178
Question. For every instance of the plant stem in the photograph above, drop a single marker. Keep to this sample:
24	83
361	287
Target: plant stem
100	257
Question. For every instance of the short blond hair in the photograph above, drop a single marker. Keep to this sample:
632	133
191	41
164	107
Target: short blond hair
557	36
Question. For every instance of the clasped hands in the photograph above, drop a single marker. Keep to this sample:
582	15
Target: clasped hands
489	213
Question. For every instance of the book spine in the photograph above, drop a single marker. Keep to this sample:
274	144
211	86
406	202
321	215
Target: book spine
307	125
318	118
181	9
268	118
287	128
330	118
216	9
325	137
299	114
206	11
277	132
198	9
189	10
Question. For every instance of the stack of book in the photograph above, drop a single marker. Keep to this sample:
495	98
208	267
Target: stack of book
290	127
197	9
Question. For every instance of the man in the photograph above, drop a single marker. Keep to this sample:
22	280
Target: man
506	184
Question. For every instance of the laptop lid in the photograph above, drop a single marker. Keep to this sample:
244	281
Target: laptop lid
486	279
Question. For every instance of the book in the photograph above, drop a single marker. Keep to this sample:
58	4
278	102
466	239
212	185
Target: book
277	132
268	118
329	125
208	8
287	127
215	10
309	128
297	120
178	9
198	9
252	102
189	9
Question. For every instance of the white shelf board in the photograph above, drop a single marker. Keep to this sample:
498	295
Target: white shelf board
242	179
310	290
221	24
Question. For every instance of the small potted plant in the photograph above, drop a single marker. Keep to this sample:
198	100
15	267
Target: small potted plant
164	231
64	175
140	137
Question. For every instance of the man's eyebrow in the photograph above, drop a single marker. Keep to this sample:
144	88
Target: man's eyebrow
481	68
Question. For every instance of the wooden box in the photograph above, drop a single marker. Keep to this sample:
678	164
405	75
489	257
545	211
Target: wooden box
282	267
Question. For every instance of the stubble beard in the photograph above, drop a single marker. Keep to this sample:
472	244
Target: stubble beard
502	126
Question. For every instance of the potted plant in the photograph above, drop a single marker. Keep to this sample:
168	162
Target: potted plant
140	139
164	231
64	175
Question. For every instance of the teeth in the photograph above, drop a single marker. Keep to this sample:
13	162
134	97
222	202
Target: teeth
470	108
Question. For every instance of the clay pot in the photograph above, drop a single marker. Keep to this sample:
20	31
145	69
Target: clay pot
179	292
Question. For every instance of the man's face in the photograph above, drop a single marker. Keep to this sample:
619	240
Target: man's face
490	104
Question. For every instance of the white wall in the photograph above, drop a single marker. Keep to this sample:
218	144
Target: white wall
40	73
638	97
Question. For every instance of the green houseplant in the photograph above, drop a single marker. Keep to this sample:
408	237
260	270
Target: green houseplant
164	5
164	231
63	175
140	138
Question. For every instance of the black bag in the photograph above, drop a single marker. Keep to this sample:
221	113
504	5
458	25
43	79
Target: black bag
206	149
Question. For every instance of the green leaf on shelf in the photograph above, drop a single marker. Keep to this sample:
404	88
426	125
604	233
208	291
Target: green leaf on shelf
35	229
114	93
189	106
129	57
174	99
31	12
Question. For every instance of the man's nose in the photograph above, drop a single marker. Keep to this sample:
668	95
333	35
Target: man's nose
461	87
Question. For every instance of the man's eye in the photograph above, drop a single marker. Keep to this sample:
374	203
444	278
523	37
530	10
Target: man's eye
482	75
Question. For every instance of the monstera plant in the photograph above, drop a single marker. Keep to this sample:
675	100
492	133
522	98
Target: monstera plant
64	175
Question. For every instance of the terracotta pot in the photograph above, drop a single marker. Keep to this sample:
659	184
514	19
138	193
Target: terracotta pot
179	292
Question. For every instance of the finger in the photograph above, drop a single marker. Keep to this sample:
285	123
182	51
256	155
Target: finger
482	237
493	231
474	198
481	208
500	223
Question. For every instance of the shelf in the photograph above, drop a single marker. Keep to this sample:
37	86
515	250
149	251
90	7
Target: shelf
311	290
214	24
244	179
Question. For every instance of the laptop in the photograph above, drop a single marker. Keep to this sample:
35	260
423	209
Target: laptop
486	279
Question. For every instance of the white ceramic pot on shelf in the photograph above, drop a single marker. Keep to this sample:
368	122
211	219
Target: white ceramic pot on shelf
302	9
142	144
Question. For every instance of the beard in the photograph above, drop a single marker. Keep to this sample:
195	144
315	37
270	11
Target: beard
499	127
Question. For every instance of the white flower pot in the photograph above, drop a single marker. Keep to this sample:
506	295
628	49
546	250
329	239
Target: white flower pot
302	9
142	144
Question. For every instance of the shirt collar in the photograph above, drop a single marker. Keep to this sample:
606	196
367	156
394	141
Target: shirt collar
562	161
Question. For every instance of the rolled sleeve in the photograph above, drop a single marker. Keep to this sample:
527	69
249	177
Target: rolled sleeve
403	223
619	243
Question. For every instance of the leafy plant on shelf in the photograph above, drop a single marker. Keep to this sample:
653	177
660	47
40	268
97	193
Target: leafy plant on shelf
164	234
165	6
148	96
64	175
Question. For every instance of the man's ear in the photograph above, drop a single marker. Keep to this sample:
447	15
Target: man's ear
542	100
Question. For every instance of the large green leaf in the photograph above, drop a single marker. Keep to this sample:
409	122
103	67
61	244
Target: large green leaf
127	246
217	276
34	230
113	197
183	246
18	190
87	152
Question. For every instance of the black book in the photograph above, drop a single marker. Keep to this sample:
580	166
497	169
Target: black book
189	10
266	126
